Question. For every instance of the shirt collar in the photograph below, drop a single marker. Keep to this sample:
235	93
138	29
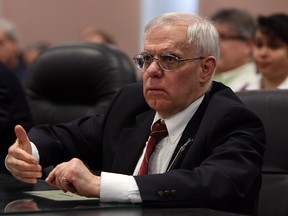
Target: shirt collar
177	123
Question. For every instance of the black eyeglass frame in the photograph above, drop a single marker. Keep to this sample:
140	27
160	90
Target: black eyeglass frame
226	37
137	57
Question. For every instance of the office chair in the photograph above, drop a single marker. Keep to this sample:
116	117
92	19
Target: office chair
272	107
72	80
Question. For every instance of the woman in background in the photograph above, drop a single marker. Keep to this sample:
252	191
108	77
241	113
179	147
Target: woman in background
271	52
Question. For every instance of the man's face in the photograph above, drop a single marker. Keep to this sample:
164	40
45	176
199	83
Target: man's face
235	52
8	49
169	92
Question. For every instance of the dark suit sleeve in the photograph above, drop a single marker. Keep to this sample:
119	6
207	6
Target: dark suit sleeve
80	138
91	137
222	168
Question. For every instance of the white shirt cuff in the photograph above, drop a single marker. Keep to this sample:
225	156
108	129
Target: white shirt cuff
119	188
35	153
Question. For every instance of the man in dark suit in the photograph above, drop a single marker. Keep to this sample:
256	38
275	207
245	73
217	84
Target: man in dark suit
13	110
211	157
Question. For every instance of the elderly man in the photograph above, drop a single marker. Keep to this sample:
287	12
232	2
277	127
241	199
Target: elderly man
209	146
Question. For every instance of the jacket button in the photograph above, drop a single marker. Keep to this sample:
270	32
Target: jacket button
160	194
173	193
167	193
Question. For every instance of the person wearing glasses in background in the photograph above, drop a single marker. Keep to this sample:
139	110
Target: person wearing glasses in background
271	52
212	147
236	67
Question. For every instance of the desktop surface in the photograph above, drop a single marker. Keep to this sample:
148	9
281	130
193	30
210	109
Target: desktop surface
17	198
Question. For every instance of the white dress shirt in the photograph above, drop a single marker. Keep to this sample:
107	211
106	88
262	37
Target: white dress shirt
255	84
123	188
238	78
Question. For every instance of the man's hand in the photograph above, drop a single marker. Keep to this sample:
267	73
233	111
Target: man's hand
75	177
20	161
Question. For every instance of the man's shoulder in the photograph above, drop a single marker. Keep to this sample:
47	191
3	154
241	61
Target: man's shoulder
218	88
132	92
224	104
136	86
131	97
223	95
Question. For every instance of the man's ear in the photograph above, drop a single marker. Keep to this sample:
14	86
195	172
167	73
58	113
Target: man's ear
249	45
208	66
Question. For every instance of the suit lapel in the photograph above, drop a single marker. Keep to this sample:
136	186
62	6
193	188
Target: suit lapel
132	141
191	130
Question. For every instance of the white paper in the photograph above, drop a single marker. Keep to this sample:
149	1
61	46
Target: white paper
59	195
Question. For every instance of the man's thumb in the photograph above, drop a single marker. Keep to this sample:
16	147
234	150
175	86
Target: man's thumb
23	139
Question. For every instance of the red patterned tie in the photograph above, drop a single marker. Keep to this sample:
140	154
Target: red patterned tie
159	131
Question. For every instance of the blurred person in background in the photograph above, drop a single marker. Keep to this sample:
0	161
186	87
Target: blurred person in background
95	35
31	52
235	68
13	110
271	52
10	54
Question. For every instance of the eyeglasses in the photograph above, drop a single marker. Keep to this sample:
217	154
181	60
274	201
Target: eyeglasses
167	62
225	37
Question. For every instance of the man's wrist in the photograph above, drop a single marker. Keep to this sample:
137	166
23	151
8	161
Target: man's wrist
119	188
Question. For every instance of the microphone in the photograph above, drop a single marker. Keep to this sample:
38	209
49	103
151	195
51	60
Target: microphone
188	143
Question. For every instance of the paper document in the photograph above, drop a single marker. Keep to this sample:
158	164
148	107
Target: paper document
59	195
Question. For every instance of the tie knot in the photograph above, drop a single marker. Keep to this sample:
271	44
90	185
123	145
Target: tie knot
159	130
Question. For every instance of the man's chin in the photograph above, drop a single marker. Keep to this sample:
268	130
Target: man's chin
158	105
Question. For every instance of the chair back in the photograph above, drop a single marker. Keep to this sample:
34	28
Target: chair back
73	80
272	108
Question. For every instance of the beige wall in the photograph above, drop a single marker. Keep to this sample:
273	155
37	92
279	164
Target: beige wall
59	21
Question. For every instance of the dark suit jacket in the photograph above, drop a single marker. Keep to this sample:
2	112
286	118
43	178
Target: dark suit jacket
13	110
220	170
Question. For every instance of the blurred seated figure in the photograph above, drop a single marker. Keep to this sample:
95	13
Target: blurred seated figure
10	53
72	80
271	52
31	52
13	110
236	67
95	35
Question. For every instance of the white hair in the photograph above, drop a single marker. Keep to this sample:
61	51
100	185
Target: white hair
8	28
201	33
